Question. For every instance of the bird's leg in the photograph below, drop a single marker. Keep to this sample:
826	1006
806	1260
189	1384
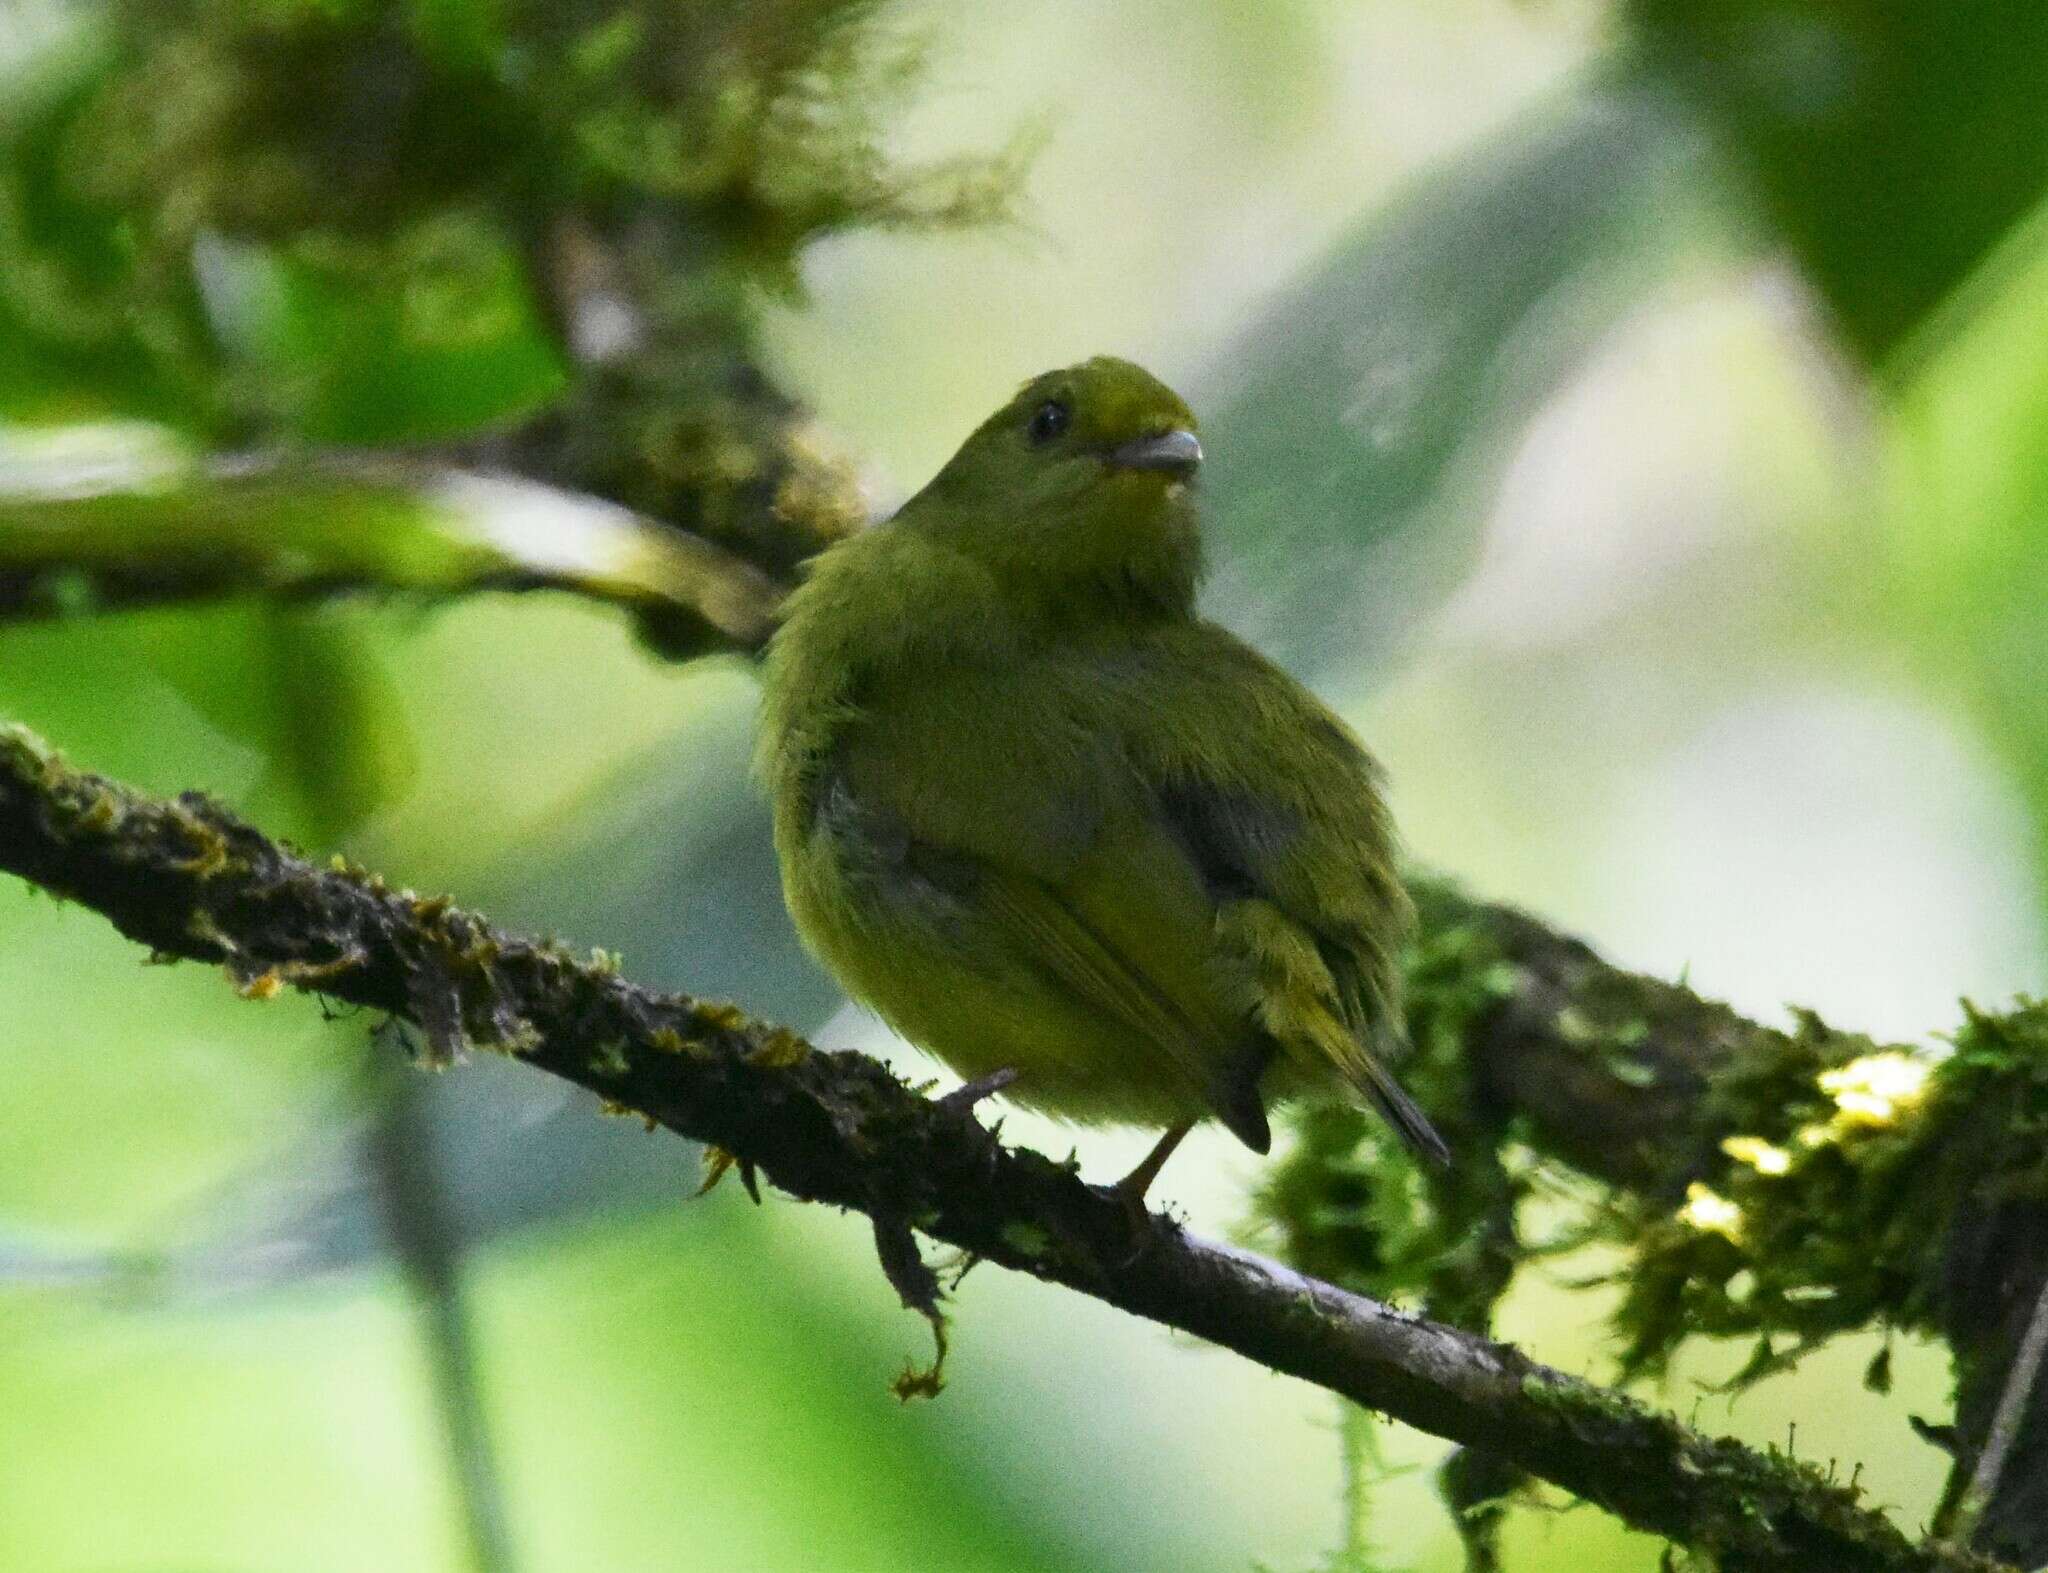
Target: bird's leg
963	1098
1131	1189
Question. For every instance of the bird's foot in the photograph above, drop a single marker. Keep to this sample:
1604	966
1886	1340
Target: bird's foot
717	1163
1132	1199
963	1098
1131	1189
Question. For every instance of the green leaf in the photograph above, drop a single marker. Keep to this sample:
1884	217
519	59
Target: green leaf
303	687
432	336
87	326
1893	143
1966	551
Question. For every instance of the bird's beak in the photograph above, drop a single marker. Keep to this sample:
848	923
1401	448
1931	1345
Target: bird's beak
1179	453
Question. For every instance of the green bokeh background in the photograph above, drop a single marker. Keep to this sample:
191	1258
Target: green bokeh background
1668	509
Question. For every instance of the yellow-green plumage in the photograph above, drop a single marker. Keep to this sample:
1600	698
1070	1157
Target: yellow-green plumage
1041	817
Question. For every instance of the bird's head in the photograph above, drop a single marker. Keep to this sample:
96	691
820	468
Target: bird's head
1080	485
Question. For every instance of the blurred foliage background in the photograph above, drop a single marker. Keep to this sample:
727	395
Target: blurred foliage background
1634	416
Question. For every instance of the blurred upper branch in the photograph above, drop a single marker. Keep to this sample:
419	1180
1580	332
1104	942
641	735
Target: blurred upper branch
122	531
189	880
382	223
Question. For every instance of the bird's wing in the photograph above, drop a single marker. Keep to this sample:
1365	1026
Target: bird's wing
1036	822
1127	933
1311	913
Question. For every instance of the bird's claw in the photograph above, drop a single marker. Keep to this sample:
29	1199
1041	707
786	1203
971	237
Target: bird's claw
718	1163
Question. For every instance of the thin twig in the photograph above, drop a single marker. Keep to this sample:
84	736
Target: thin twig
426	1240
1356	1454
2007	1420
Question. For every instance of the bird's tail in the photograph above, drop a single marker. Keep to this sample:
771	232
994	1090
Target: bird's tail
1292	994
1372	1078
1334	1043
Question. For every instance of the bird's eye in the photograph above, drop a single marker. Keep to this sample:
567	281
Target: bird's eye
1048	421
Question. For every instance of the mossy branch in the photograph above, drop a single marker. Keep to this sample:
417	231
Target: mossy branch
1780	1186
140	533
191	881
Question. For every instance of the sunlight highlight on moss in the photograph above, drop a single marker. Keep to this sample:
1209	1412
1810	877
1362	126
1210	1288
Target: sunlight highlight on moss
1711	1213
1762	1156
1876	1089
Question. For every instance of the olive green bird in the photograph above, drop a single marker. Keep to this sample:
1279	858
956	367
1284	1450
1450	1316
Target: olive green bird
1056	828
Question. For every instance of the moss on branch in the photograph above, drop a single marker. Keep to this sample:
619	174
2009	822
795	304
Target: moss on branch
190	880
1778	1186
